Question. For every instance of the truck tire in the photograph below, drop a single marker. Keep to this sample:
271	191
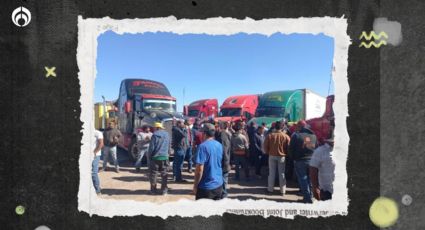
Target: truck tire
133	150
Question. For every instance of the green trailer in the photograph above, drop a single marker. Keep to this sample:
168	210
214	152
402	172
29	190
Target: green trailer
292	105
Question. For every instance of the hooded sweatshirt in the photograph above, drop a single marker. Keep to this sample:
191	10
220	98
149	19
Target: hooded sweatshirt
239	144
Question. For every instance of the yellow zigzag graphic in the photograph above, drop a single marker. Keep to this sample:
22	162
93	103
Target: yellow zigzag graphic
372	34
372	43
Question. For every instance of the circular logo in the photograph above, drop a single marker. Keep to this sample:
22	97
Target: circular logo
406	200
383	212
20	210
21	16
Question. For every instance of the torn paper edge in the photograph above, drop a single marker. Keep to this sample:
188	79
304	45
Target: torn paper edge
88	32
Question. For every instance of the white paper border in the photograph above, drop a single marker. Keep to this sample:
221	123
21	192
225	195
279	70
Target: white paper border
90	29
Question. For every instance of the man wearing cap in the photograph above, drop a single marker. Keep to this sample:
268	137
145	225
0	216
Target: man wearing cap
159	149
322	171
303	142
208	182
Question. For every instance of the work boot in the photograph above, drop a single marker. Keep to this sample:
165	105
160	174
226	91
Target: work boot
153	190
283	191
269	192
165	191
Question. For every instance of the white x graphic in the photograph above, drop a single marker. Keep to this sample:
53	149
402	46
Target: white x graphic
50	71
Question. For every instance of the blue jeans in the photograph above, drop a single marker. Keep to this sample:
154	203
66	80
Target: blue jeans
301	169
188	158
110	151
140	155
178	163
241	161
94	171
225	184
260	160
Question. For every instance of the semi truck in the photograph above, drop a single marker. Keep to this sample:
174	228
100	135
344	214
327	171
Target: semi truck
236	108
202	109
324	125
292	105
143	102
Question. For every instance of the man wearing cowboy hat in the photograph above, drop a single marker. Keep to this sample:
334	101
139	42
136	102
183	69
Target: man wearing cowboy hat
159	149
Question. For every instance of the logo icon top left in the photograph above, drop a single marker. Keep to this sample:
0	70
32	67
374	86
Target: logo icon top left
21	16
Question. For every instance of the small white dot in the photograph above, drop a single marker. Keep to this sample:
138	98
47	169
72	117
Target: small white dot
406	199
42	227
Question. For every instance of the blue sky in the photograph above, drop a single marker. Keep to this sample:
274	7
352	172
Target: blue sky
214	66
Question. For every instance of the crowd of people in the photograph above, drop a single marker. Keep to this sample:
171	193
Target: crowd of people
212	149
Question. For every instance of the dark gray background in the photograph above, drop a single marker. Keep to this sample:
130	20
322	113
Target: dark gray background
402	113
40	125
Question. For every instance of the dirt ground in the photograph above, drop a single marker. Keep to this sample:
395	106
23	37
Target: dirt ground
131	185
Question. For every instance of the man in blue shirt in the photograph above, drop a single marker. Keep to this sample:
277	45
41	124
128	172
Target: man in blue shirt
208	173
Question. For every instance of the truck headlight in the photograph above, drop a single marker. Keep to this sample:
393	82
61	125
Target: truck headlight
153	115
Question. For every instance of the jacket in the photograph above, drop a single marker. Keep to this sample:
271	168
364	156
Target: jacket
302	144
160	144
277	143
179	136
111	137
225	140
189	137
239	144
258	144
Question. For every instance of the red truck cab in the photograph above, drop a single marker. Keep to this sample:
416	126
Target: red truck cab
237	108
202	109
322	126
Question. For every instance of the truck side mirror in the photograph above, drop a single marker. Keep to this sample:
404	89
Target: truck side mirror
127	106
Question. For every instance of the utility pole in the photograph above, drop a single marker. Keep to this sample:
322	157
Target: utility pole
184	94
104	113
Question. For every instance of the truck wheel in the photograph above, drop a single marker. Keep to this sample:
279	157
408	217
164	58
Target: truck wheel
132	150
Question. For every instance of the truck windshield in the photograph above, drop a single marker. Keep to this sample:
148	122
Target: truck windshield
193	113
230	112
270	112
151	104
